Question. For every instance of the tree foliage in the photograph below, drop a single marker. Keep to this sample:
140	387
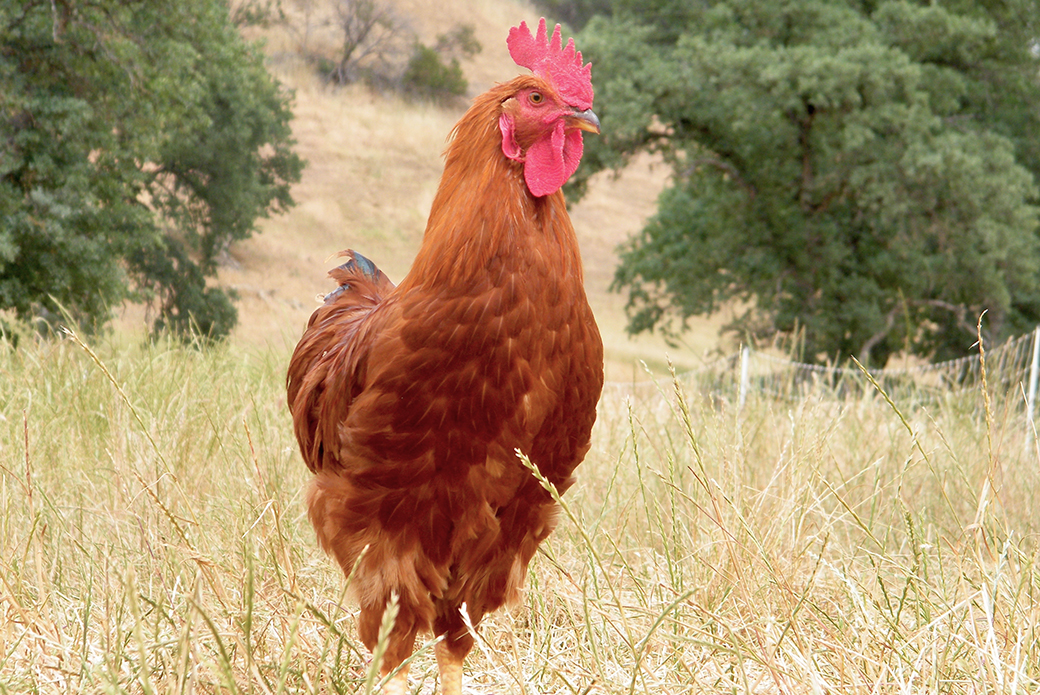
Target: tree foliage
861	174
435	72
574	13
140	139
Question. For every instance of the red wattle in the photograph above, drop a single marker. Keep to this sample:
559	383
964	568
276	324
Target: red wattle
552	160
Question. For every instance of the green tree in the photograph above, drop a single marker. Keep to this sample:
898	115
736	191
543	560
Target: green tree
138	140
574	13
435	73
859	174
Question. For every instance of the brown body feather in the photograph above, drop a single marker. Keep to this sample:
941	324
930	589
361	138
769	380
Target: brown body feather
409	402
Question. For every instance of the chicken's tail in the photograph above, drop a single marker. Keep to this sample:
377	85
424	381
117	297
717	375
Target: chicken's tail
333	328
359	279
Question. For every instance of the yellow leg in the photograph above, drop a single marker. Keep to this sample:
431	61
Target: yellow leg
398	685
450	667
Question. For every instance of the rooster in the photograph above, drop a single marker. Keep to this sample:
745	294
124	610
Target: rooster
410	402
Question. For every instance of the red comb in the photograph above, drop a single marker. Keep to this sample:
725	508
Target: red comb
551	61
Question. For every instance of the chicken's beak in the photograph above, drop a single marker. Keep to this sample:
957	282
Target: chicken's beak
584	120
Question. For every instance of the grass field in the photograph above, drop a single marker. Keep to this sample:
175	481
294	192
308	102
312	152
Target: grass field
153	537
153	540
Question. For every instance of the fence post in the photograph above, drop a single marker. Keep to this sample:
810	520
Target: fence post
1034	374
745	358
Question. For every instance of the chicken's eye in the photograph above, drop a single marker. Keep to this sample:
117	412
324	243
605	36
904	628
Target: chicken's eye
536	98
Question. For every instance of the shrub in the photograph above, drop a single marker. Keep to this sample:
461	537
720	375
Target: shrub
427	75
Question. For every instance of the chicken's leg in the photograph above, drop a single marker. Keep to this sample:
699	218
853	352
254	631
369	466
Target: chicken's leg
399	644
449	665
398	685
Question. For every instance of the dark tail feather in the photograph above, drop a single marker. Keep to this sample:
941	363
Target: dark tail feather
367	267
361	287
358	276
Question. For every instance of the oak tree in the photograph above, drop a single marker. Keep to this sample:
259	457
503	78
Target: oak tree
861	174
138	140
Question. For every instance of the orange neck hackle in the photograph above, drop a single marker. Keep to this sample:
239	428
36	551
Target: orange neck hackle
483	203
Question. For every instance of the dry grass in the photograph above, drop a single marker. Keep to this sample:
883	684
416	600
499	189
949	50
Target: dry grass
153	541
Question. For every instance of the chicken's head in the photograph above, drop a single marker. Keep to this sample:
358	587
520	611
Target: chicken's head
542	121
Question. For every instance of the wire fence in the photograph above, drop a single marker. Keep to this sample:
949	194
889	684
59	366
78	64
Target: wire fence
1010	370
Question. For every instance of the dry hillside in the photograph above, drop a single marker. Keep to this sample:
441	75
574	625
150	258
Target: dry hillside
374	162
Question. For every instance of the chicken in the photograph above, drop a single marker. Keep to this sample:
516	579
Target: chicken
410	402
